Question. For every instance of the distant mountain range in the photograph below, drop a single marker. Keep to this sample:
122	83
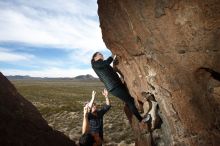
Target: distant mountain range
85	77
80	77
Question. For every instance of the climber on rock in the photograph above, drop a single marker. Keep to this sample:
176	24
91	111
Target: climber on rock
113	83
92	128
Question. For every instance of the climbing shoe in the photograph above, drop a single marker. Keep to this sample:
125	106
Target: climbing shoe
147	118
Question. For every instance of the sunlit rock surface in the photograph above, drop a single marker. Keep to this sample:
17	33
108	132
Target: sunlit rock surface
161	46
21	123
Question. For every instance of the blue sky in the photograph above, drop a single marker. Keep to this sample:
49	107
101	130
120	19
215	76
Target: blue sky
49	38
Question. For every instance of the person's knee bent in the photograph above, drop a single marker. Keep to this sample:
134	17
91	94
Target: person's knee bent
131	105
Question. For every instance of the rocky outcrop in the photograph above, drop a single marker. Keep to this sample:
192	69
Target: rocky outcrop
171	50
21	123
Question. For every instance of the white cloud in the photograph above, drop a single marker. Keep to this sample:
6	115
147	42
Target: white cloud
7	56
82	56
49	72
49	24
54	23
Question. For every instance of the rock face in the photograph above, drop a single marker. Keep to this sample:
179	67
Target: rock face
21	123
170	49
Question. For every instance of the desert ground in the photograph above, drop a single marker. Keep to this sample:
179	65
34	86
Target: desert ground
61	104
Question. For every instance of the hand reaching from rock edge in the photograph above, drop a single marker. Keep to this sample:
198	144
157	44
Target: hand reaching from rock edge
115	60
113	56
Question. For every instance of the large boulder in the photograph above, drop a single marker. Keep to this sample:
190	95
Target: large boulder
21	123
171	50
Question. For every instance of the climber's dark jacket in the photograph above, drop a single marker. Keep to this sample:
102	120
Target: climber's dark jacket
106	73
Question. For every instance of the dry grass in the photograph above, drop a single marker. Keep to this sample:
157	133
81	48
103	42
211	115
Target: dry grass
61	104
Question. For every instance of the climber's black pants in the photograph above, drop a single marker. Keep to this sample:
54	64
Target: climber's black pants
122	93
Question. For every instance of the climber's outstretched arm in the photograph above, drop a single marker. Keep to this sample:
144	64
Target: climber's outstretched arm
92	99
85	125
